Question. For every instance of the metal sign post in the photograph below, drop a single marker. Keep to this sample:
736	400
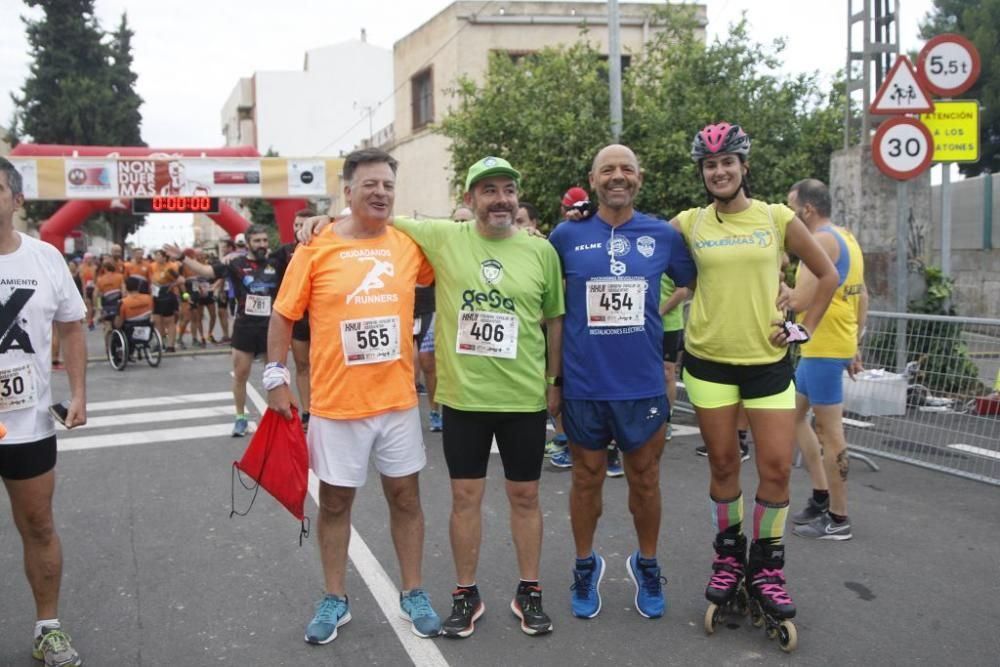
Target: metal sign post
902	271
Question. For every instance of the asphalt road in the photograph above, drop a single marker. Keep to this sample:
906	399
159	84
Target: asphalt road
156	573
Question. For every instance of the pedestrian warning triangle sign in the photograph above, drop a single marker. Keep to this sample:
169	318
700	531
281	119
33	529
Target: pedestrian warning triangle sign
901	92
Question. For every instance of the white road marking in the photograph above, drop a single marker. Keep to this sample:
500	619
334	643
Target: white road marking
979	451
105	406
421	651
178	416
67	444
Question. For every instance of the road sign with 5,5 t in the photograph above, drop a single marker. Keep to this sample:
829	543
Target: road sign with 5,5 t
954	124
948	64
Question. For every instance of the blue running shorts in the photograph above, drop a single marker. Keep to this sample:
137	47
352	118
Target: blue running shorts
821	380
594	424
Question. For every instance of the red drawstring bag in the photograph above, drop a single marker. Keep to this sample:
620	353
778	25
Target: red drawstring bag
277	459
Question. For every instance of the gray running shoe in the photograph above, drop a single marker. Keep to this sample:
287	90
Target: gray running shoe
824	528
53	648
811	511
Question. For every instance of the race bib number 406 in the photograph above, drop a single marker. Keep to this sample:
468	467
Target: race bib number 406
17	388
487	334
616	303
370	341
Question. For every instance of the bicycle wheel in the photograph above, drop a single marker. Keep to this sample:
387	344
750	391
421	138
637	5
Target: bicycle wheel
117	348
154	349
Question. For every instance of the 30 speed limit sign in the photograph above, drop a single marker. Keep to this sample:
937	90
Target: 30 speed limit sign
902	148
948	65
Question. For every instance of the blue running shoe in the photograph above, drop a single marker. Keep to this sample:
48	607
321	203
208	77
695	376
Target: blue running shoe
558	443
416	608
562	459
645	574
331	613
240	426
586	588
434	422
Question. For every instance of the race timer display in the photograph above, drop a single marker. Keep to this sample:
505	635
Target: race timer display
176	204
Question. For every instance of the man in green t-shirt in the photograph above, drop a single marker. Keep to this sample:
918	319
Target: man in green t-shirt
495	287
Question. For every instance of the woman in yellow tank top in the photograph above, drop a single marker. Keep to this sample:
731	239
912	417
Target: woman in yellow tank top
736	351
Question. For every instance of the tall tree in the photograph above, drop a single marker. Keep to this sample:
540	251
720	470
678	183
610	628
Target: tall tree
548	114
979	22
79	90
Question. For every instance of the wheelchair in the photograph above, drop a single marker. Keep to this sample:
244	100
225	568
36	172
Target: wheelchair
134	341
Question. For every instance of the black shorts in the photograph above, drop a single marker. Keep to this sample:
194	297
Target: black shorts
300	329
251	338
166	306
425	324
29	459
222	299
203	300
754	381
468	437
673	341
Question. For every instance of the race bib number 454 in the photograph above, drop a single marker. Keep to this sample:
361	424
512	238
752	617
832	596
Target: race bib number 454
370	341
616	303
487	334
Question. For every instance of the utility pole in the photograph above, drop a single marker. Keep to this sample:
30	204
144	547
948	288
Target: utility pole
615	69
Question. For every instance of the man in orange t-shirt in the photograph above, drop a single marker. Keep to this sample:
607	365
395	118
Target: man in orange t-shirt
357	281
110	286
140	268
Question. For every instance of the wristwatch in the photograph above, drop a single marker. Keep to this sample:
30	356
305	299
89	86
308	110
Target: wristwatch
555	381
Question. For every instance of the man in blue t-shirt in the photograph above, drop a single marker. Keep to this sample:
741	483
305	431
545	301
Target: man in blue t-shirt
613	385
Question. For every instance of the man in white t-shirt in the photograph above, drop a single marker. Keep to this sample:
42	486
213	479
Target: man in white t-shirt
37	297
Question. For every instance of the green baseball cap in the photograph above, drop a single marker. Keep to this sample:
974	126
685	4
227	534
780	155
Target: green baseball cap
490	166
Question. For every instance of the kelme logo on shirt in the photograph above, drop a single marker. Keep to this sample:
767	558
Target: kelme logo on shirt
492	271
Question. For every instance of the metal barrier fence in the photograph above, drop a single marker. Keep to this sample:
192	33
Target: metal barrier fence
929	394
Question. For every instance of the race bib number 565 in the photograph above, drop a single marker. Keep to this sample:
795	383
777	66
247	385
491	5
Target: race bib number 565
371	340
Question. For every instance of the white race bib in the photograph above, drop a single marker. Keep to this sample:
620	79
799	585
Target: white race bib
257	304
371	340
141	333
155	290
17	388
416	325
616	303
487	334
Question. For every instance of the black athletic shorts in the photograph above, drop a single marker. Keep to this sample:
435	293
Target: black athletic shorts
29	459
166	305
300	329
468	437
673	341
755	381
250	338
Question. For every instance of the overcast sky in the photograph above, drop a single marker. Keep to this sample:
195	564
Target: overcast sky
190	53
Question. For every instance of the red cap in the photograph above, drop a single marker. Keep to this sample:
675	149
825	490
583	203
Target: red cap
575	196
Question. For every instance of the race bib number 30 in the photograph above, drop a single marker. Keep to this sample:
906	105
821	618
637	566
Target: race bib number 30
258	305
370	341
17	388
487	334
616	303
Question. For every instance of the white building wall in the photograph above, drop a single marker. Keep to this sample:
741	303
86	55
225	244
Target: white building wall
320	110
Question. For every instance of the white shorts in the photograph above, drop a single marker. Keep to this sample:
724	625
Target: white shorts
339	449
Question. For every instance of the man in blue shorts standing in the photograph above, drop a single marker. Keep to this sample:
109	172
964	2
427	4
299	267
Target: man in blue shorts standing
613	386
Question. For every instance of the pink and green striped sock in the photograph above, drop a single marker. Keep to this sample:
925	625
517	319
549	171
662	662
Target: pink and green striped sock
769	521
727	515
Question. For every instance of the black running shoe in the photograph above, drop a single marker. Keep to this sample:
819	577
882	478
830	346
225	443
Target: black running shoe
527	606
466	608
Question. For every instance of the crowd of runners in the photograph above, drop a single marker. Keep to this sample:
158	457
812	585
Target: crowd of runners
585	334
